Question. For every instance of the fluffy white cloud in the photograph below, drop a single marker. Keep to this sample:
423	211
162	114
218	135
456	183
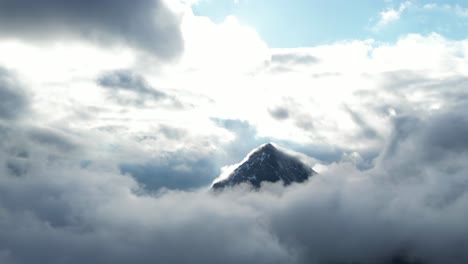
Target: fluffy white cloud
391	14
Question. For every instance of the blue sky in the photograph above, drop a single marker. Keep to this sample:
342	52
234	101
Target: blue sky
286	24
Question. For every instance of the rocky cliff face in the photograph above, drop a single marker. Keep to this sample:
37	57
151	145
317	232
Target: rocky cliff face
267	163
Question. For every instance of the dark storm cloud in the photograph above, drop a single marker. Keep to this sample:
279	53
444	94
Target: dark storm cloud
146	24
129	81
13	100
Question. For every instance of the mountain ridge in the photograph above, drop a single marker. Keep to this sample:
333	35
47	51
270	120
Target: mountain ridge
266	163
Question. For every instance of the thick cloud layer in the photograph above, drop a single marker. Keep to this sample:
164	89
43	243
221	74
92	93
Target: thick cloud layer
13	100
410	207
147	25
82	178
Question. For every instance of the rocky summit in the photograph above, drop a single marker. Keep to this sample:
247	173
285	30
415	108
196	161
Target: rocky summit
267	163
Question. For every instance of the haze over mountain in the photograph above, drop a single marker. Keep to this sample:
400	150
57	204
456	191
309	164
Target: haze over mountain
266	163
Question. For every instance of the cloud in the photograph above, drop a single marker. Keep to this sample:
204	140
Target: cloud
127	81
391	15
279	113
86	180
95	214
441	135
368	132
456	9
289	108
176	172
52	139
147	25
247	138
172	132
290	60
294	58
13	99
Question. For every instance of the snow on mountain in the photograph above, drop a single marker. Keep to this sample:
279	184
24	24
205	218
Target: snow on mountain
266	163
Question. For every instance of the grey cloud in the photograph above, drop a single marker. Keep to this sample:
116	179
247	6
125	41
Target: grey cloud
410	81
325	74
304	122
147	25
424	174
127	80
290	109
52	139
448	133
294	58
23	143
288	62
172	132
409	208
63	212
280	69
368	132
403	79
279	113
13	100
441	134
176	172
450	91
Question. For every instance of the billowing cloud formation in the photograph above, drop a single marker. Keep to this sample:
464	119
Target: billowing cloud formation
147	25
84	179
408	209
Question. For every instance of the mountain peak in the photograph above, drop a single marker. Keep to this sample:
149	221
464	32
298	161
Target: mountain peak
267	163
267	148
268	145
